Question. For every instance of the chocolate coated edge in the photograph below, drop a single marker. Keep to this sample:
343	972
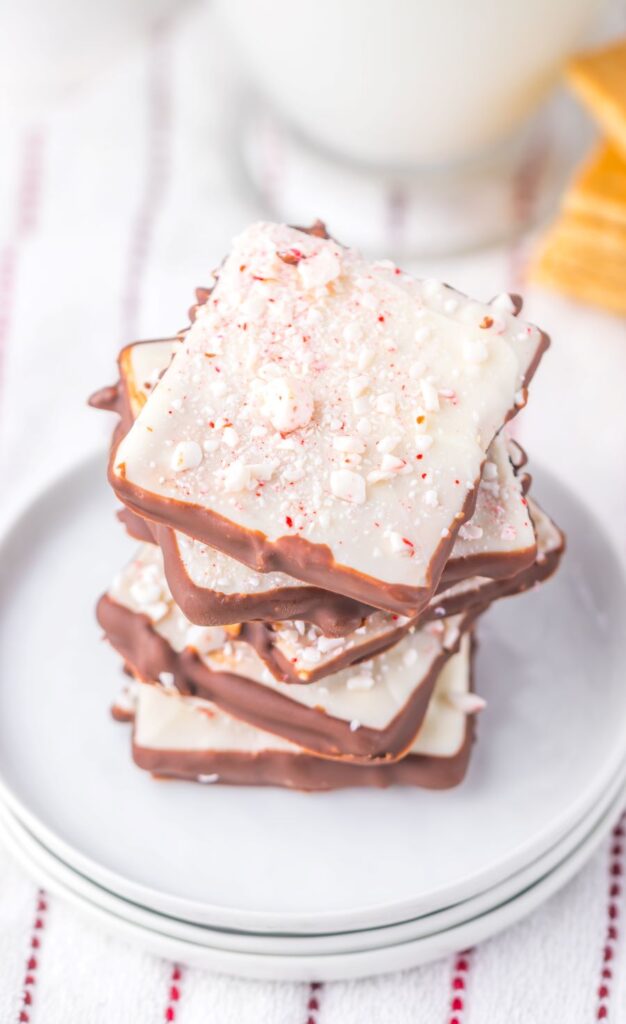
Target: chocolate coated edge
132	635
335	614
301	771
139	529
294	556
114	397
496	566
493	590
304	772
259	635
209	607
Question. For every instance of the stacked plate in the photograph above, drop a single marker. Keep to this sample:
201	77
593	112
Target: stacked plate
278	884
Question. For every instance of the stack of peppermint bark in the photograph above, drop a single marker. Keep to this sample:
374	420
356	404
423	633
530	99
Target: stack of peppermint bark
325	503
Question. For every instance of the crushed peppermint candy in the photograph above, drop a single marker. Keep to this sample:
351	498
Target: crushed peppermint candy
319	270
362	681
287	404
206	638
145	591
422	442
348	486
186	455
504	303
469	531
468	703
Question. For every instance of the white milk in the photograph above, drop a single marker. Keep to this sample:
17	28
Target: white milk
405	82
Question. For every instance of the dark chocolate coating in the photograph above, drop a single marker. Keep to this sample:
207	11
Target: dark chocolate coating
133	636
304	772
295	556
336	614
260	633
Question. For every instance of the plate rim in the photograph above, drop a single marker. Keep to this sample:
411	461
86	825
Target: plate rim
403	931
367	963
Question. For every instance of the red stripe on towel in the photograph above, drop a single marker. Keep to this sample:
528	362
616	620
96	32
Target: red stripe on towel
313	1002
32	962
26	205
173	993
613	911
458	986
157	164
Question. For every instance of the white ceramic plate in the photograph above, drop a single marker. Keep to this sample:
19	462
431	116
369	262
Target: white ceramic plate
267	860
328	967
339	942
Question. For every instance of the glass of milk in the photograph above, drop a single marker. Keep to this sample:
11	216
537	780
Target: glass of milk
387	100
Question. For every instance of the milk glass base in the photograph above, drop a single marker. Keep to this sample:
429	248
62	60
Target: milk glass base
427	211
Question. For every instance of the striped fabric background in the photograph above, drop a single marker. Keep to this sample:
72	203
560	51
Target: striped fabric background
111	210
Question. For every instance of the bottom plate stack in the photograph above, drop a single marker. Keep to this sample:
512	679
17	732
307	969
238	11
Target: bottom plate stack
333	956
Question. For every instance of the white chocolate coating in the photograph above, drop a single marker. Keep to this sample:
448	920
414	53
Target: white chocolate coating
142	365
308	649
500	524
549	538
165	720
386	361
142	587
392	677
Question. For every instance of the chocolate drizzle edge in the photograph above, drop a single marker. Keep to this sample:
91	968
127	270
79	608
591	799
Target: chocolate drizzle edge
149	654
304	772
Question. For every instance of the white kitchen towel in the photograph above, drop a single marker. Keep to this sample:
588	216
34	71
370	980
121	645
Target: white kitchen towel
564	963
111	208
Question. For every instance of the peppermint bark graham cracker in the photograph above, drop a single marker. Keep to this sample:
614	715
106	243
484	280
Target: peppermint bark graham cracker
370	712
181	737
298	653
366	399
143	624
497	541
481	590
214	589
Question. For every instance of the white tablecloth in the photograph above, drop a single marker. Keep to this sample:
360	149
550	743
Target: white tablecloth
111	208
